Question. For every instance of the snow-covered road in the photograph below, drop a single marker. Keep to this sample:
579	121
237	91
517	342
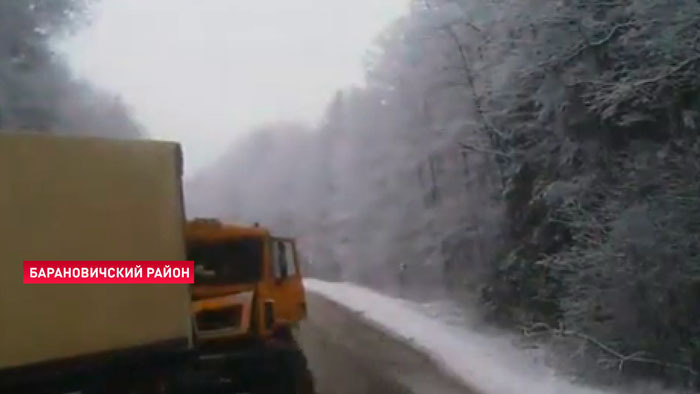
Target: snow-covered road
490	364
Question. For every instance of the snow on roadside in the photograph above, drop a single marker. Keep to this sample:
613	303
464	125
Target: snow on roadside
490	364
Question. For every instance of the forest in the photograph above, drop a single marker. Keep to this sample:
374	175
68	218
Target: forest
536	159
38	92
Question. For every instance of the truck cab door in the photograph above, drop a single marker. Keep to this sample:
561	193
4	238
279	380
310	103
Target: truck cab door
288	291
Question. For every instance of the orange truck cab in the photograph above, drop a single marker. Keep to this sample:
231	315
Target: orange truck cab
247	283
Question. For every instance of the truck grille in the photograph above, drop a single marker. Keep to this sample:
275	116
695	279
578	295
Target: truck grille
216	319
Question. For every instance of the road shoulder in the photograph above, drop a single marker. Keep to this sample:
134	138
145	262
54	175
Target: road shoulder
347	354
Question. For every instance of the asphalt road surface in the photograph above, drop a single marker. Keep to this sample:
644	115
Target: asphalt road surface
346	355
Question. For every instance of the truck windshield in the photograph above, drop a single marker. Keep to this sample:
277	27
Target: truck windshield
232	262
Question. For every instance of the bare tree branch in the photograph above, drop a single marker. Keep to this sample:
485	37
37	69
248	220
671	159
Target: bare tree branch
484	150
669	73
538	329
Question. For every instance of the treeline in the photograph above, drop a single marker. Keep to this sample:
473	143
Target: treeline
38	93
540	154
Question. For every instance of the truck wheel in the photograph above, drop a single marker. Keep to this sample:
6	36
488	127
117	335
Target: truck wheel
299	375
304	377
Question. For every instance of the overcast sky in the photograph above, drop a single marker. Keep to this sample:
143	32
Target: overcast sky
204	71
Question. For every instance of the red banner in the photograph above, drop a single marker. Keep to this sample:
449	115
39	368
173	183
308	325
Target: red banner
108	271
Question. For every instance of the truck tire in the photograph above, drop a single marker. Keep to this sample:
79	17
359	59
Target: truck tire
304	378
298	367
291	375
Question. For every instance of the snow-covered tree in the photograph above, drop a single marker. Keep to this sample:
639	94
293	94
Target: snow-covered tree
37	91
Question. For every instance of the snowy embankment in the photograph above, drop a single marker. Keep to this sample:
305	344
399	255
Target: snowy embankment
489	364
